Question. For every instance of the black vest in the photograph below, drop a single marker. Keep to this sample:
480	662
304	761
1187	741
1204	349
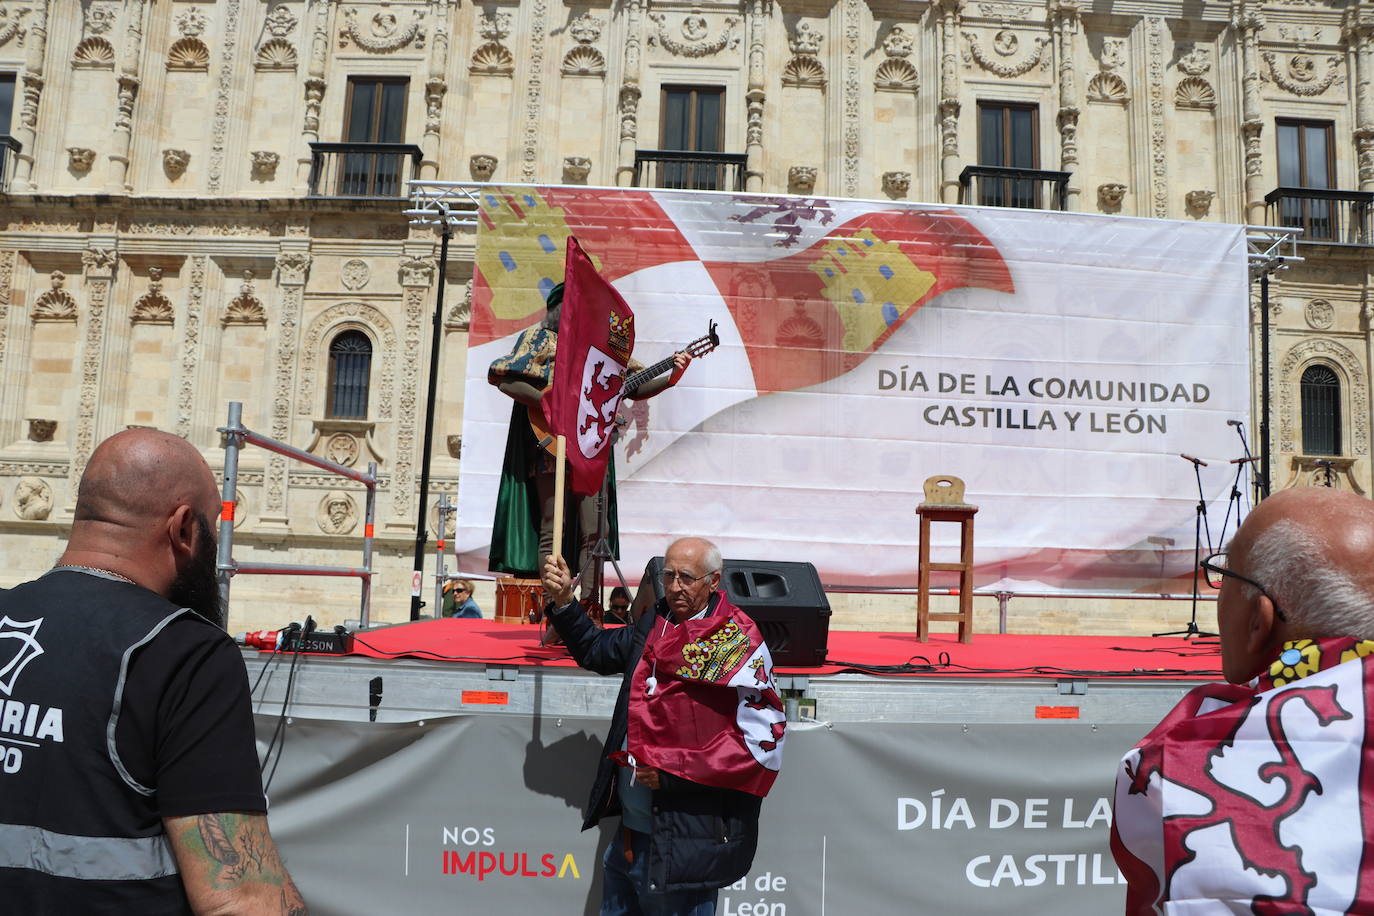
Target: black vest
78	832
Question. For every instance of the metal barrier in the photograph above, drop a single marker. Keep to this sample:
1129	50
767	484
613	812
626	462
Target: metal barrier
237	436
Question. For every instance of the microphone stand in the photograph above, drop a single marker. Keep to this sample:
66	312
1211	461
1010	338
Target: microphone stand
1199	525
1235	501
1256	478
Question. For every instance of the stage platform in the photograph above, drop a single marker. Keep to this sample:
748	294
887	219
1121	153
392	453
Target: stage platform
454	667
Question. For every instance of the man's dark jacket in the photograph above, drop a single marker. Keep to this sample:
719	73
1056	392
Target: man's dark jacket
702	837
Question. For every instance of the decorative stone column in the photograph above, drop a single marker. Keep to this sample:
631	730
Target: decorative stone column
31	87
417	278
192	349
293	266
435	88
1358	32
852	18
754	98
232	12
629	94
122	140
1249	22
98	263
314	90
949	100
533	126
1064	18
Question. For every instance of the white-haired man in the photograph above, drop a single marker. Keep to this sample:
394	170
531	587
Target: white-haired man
695	740
1257	796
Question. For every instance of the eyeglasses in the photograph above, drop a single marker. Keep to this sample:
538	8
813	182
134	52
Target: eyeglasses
681	578
1216	569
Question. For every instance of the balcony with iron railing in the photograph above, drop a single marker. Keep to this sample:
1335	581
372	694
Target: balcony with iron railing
1028	189
689	170
362	170
9	155
1325	215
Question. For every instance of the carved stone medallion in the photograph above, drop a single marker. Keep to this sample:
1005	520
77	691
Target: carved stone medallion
355	273
41	430
341	448
1320	314
32	499
338	513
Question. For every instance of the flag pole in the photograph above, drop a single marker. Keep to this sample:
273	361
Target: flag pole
559	474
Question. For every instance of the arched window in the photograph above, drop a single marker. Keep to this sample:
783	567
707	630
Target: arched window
1321	411
350	366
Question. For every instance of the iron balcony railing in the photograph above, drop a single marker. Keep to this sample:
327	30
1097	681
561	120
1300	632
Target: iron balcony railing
1323	214
362	169
9	155
1028	189
689	170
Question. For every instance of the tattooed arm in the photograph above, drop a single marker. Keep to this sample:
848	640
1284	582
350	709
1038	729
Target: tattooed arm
229	864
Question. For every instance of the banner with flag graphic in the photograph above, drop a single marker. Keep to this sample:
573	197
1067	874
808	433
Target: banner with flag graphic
1057	362
596	334
704	706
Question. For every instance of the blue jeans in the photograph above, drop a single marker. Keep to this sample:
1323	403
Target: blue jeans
623	890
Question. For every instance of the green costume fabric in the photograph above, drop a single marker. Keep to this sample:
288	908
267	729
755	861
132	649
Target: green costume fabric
515	528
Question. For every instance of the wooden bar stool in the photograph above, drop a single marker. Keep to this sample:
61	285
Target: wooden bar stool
944	502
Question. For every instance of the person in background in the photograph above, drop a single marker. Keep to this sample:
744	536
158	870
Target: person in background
618	606
458	599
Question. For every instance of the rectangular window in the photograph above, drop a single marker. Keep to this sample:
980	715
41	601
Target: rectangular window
693	120
375	113
1307	160
6	102
1008	138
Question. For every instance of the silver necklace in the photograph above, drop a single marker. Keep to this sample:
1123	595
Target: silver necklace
98	571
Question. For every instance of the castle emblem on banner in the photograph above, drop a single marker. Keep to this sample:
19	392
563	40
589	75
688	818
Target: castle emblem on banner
620	335
714	657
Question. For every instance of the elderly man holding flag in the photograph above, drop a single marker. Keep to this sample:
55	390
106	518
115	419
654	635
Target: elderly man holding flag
695	740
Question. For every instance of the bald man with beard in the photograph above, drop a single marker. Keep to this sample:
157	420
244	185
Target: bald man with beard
130	776
1253	796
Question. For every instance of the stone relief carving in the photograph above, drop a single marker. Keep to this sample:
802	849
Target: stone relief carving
80	159
460	315
896	75
275	54
494	26
416	271
1198	202
532	130
996	9
1320	314
191	22
801	179
100	18
482	167
153	307
265	164
1159	155
188	54
245	308
56	304
898	43
280	22
1110	196
1005	43
95	53
455	446
9	25
42	430
292	267
1299	74
896	184
492	59
586	28
32	499
342	448
1195	92
1196	62
174	162
192	355
805	40
584	61
1107	87
355	273
98	262
695	30
576	169
383	33
804	71
337	514
1113	54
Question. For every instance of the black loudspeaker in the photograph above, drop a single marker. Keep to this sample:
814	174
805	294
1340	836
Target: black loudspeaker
784	599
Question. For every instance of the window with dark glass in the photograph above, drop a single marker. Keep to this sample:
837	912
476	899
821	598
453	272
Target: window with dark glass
1008	138
693	121
350	367
1306	160
6	102
375	113
1321	411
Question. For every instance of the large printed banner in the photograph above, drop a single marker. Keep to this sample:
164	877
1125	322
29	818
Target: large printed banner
1058	363
482	814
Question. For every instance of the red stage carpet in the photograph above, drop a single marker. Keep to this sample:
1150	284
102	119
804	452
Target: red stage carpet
886	654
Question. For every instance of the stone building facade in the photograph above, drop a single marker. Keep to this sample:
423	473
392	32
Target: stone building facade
180	227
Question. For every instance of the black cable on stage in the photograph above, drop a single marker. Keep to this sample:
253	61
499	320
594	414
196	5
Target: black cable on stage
266	665
280	730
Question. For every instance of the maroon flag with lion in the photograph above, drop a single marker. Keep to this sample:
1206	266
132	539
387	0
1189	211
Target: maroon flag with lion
596	334
703	705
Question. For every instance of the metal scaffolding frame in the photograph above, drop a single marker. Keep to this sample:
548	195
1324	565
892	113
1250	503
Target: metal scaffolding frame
236	436
1269	249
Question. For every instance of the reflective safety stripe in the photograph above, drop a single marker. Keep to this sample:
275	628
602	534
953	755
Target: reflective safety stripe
95	858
